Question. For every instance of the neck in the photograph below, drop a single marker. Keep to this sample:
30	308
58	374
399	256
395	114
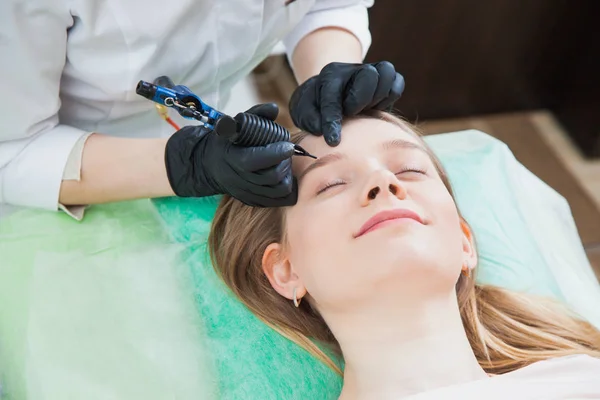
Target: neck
406	349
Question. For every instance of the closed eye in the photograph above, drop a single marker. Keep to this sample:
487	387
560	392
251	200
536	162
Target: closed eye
412	169
329	185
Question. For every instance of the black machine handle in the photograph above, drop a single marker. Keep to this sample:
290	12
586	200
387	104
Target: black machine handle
245	129
250	130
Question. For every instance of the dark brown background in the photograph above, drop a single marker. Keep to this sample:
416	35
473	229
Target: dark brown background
471	57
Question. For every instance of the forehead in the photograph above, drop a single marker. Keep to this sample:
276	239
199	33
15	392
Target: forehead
358	137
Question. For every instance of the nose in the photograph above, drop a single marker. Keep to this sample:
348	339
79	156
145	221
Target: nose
382	183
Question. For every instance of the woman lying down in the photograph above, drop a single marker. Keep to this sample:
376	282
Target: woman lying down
376	262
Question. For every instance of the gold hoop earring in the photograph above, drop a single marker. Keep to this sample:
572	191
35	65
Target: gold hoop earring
466	272
296	301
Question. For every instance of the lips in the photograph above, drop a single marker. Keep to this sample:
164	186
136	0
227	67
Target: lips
383	216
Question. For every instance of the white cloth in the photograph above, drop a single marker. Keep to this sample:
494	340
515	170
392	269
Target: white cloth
571	377
70	67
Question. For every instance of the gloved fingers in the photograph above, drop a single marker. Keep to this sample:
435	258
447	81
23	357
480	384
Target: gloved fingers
282	189
303	107
387	75
266	110
270	176
288	200
249	199
284	194
360	89
257	158
330	96
394	94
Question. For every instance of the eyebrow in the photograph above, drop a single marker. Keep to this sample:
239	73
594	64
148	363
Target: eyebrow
321	162
333	157
403	144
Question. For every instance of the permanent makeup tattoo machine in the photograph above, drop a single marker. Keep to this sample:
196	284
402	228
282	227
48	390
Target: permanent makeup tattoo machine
245	129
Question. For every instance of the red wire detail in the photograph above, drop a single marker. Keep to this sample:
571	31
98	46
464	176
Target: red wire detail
172	123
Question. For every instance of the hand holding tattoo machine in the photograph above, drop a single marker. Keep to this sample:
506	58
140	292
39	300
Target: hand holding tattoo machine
245	129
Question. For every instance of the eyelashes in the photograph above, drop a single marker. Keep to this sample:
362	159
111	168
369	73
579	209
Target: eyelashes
338	182
413	169
331	184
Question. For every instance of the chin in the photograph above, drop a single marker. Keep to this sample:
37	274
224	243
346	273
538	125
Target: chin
409	235
413	279
409	259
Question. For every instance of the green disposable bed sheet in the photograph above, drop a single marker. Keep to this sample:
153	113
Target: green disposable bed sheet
126	305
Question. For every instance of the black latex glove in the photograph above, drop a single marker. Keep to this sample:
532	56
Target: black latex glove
201	163
341	89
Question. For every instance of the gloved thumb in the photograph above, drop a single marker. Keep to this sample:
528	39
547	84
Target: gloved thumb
266	110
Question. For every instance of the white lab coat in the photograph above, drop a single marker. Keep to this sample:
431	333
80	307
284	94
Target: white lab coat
70	67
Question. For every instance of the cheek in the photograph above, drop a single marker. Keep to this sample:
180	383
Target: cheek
446	218
303	226
315	239
445	207
306	233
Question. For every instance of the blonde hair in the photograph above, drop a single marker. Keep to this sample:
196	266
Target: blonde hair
506	330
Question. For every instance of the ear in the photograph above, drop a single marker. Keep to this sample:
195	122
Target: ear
469	251
281	275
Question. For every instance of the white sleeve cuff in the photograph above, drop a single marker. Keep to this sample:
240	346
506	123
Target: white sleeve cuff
353	18
33	177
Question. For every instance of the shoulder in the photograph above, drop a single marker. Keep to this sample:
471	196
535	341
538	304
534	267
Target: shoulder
568	377
557	363
577	365
560	378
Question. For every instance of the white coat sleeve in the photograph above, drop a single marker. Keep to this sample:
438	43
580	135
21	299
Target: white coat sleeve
350	15
34	146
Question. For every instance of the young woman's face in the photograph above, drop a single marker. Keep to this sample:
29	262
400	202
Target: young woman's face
373	216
